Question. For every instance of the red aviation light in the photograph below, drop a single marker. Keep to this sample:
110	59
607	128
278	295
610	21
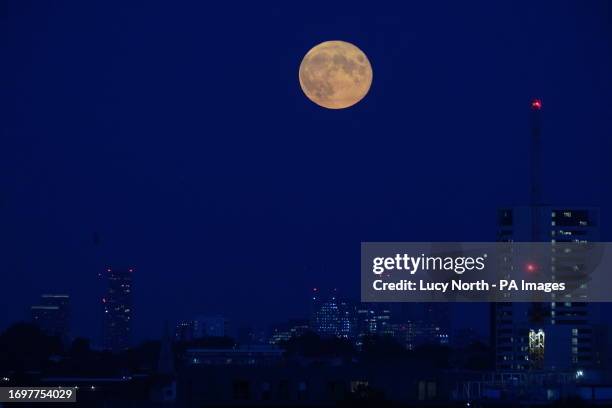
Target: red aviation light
536	104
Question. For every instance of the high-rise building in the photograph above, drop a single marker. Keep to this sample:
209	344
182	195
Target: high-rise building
555	335
117	307
52	315
346	319
373	319
365	321
332	317
546	335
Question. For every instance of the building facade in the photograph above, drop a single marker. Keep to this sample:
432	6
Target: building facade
546	335
52	315
332	317
117	308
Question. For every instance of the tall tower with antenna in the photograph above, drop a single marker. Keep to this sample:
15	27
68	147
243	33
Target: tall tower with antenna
545	335
536	149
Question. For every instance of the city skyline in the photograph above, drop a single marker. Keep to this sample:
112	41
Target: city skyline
222	183
197	198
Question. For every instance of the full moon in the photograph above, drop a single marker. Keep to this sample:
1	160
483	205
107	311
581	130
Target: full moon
335	74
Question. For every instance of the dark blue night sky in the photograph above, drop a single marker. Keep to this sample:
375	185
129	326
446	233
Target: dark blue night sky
174	136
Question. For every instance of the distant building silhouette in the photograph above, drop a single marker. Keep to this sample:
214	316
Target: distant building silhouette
117	309
201	326
183	331
52	315
335	317
374	319
210	326
286	331
428	324
427	333
332	317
